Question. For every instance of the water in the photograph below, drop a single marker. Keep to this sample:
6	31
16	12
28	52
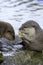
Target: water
17	12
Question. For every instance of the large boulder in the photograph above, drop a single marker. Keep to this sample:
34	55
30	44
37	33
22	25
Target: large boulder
32	35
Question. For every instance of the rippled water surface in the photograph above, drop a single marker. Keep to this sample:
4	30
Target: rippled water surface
17	12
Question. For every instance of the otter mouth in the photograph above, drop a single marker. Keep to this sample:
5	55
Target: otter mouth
20	33
28	34
23	36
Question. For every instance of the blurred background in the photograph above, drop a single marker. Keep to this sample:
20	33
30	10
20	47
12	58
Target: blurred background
17	12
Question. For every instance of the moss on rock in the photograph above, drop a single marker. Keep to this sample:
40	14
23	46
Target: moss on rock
1	57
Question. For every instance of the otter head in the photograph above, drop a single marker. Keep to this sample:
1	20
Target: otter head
29	29
6	31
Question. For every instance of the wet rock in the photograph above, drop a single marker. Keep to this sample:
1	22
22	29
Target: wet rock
8	61
24	57
27	57
7	45
1	57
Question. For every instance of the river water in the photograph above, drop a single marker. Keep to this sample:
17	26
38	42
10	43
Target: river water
16	12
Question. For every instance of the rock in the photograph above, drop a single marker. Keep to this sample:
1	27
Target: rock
32	35
27	57
6	45
8	61
1	57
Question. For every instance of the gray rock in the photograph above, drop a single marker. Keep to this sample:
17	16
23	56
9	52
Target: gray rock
8	61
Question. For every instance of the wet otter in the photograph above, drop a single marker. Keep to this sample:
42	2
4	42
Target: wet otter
6	31
6	35
32	35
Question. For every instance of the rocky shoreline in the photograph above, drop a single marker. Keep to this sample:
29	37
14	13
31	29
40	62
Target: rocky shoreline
24	57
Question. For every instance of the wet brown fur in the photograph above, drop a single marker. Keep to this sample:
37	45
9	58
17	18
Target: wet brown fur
37	43
6	31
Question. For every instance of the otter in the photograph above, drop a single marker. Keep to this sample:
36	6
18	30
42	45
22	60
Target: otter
32	35
6	31
7	34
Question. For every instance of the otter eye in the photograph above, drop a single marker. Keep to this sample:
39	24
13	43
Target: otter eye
9	31
33	26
